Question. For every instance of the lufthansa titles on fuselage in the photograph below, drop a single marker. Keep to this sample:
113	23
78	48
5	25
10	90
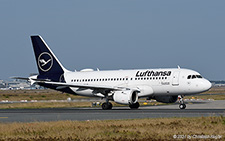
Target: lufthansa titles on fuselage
152	73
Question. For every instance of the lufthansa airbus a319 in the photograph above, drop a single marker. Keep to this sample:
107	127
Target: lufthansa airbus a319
121	86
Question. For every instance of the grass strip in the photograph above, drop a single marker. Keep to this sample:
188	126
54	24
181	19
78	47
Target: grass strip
135	129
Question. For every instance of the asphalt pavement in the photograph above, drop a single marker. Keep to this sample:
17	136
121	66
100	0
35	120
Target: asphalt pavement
194	109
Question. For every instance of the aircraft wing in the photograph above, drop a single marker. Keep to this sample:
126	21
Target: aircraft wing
61	85
87	86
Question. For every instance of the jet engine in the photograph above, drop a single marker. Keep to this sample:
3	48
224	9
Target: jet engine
166	99
126	97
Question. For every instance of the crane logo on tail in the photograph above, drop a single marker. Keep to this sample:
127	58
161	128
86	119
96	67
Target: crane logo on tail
45	61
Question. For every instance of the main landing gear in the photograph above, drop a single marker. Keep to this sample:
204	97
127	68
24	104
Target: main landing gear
107	106
134	106
181	101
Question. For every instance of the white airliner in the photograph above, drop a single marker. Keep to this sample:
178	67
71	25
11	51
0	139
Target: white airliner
121	86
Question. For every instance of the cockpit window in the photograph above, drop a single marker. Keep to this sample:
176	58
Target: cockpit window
199	76
194	76
189	77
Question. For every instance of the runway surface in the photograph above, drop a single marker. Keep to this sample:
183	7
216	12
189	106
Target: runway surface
197	109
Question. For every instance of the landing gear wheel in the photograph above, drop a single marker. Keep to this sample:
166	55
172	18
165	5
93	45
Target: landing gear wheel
135	105
110	105
106	106
181	101
182	106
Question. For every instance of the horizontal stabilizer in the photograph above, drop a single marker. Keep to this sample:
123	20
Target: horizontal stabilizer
21	78
44	80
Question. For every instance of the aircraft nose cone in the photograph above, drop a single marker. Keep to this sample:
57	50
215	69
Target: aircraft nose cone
207	85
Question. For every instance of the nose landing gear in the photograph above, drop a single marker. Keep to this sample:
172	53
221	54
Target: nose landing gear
181	101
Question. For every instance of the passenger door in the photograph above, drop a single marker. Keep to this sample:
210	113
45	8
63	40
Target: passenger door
175	79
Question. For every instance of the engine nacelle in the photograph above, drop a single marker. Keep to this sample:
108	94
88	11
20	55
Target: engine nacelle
166	99
125	97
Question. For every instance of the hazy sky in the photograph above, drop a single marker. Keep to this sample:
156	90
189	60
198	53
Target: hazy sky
116	34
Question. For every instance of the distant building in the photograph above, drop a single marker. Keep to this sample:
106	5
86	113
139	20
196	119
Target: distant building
218	83
2	84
